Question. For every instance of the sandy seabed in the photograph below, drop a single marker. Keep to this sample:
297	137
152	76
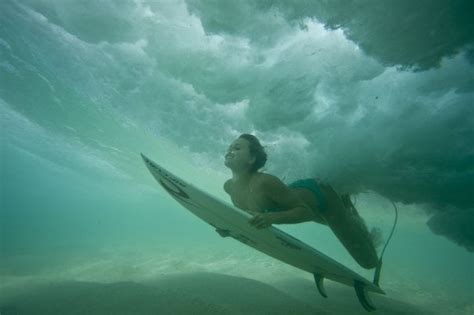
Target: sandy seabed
194	282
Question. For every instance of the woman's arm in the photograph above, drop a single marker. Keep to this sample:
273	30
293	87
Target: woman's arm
296	211
295	215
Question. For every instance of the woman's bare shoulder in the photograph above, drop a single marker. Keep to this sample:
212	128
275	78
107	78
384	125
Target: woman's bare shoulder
265	179
260	180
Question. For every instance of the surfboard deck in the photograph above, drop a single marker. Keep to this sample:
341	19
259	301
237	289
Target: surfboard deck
230	221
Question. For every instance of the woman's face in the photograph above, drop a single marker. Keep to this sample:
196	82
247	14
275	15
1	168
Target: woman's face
238	155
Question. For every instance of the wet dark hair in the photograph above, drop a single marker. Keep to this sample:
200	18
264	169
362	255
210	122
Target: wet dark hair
256	150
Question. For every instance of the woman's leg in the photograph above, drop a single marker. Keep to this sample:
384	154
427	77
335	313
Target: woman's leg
308	197
349	228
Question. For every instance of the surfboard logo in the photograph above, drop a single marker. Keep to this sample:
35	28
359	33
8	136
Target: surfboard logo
178	193
244	239
165	174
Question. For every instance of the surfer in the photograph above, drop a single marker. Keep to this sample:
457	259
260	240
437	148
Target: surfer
271	201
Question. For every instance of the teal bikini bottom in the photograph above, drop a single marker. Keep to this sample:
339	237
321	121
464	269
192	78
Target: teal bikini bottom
308	183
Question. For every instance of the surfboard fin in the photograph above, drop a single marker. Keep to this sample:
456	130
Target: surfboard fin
363	297
377	273
319	279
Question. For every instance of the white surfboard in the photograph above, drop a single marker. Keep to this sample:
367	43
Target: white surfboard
231	221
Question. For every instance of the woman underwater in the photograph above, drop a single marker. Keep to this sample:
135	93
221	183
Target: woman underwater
273	202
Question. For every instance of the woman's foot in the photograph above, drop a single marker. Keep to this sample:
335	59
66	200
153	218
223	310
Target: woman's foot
375	233
376	237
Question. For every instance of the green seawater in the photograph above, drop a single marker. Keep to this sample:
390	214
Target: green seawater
381	108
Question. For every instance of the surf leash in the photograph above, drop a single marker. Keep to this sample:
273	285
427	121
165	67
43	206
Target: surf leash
379	265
